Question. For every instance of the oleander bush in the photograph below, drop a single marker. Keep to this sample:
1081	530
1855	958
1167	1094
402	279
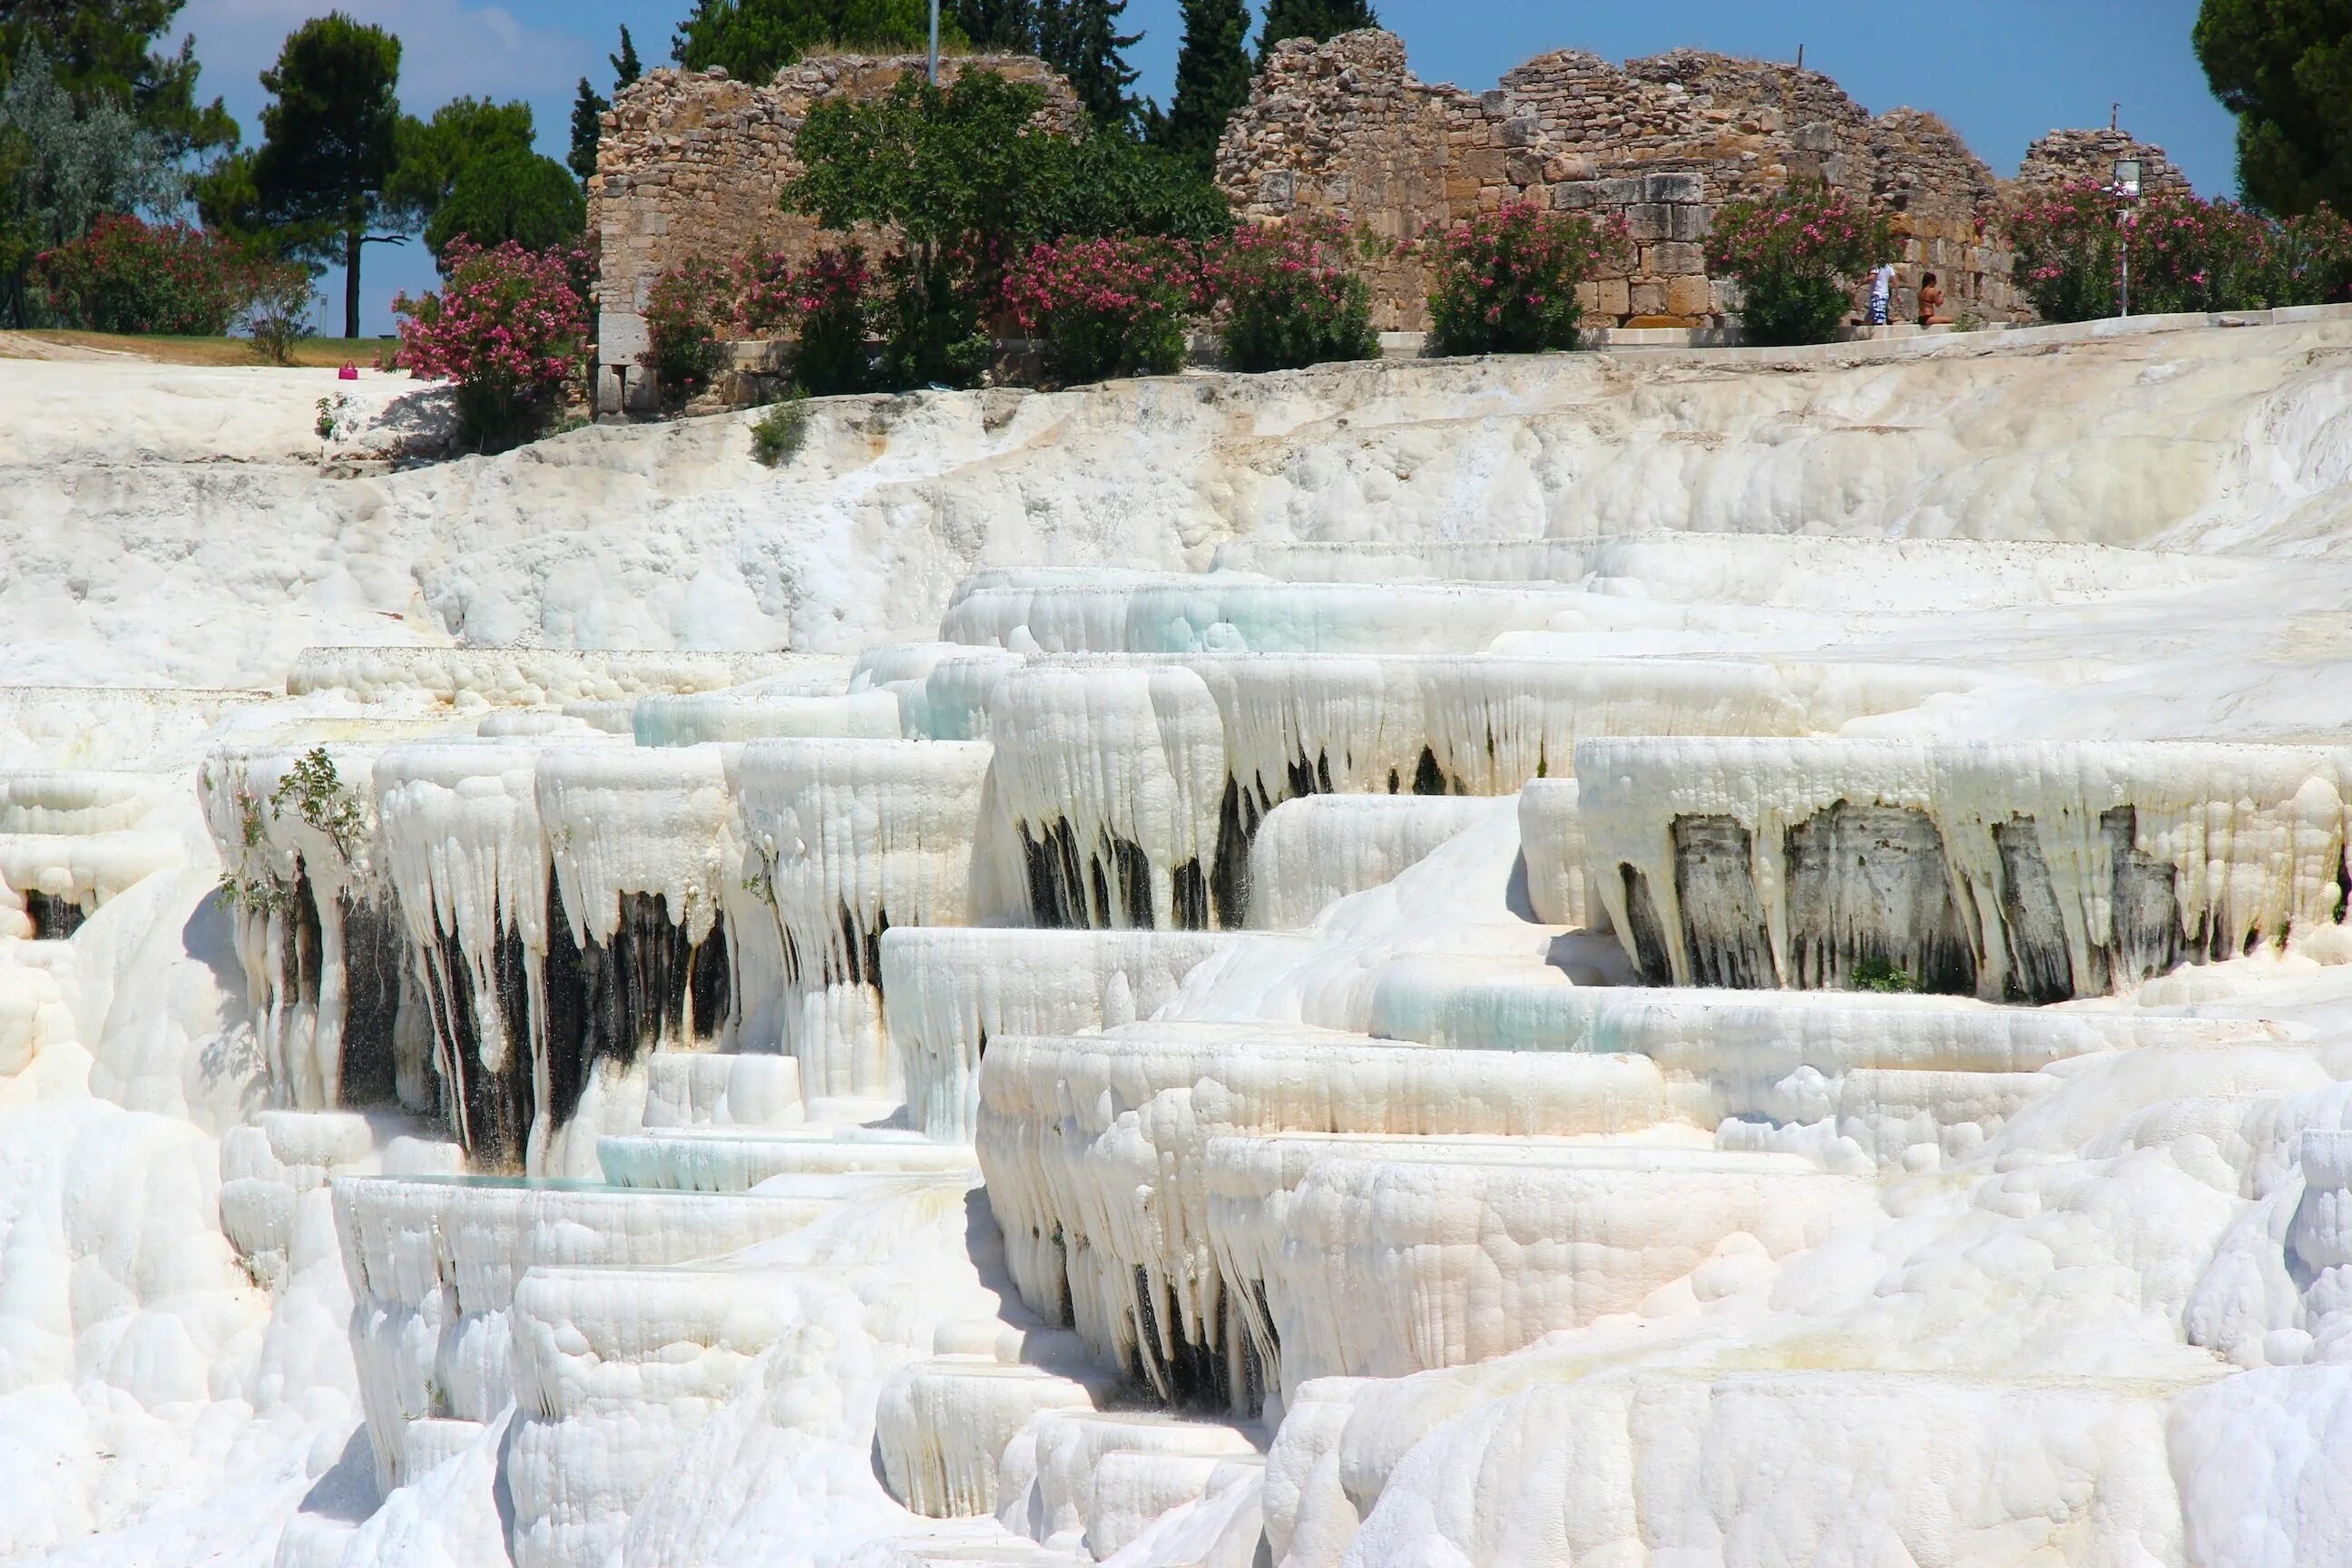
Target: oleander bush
1110	307
125	275
1291	294
506	327
1504	281
684	312
1797	255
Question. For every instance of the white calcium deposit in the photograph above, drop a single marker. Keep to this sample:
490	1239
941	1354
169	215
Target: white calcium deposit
1588	960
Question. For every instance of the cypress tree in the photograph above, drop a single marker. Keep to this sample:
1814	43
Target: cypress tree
587	129
1080	38
1316	19
997	26
625	69
1212	78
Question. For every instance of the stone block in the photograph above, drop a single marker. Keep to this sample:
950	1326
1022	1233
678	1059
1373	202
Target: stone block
1645	223
1723	296
1622	193
1688	296
1580	195
1646	299
1688	223
1612	297
1671	259
1674	188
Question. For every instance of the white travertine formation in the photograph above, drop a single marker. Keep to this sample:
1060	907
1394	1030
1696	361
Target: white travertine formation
1094	1150
1388	1052
2031	872
1313	850
532	676
761	714
844	839
1378	1257
1784	571
1551	844
952	991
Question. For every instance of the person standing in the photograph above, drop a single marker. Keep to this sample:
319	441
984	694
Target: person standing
1882	293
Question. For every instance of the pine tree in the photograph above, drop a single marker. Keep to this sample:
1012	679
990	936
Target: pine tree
997	26
1316	19
625	69
1213	78
587	129
1080	38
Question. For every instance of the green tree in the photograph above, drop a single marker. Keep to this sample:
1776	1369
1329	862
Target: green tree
1080	38
512	193
2284	68
1316	19
1213	78
588	107
65	166
966	174
754	38
1001	27
330	145
109	47
432	154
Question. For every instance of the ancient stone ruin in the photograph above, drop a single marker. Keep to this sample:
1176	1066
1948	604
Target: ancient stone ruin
693	165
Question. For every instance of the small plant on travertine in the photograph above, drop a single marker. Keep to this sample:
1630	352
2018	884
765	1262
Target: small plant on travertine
1882	975
331	416
320	798
777	436
263	895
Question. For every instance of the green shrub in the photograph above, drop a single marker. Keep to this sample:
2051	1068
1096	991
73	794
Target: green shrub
2187	255
1797	255
505	327
778	434
1883	974
1105	306
126	276
1290	295
1504	282
683	310
278	316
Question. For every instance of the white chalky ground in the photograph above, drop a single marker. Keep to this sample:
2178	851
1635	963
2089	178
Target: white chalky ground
1591	961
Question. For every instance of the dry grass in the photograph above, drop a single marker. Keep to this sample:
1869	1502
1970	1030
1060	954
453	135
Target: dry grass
315	352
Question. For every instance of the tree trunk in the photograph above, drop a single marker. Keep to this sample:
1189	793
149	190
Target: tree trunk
352	238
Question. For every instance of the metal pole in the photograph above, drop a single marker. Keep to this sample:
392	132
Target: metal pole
935	43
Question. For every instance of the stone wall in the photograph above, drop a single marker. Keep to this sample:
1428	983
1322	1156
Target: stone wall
694	165
2068	157
1346	128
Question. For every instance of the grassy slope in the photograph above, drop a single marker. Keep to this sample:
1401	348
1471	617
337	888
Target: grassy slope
314	351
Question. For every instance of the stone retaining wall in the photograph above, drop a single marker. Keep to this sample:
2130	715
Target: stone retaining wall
695	165
1346	128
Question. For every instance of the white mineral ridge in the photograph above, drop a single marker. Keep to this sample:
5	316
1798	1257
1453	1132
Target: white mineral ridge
1336	705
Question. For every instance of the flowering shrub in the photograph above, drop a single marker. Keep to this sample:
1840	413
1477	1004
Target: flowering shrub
1291	295
1105	306
829	300
506	327
683	310
126	276
1796	253
2187	254
1504	282
279	297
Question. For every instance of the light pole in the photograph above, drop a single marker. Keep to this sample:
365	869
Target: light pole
2127	188
935	43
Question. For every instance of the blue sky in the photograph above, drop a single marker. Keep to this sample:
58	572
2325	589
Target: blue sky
2002	72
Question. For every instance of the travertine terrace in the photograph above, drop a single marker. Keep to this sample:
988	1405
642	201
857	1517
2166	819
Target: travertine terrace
1734	959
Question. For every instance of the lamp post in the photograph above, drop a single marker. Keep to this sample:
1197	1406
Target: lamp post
935	43
2127	189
